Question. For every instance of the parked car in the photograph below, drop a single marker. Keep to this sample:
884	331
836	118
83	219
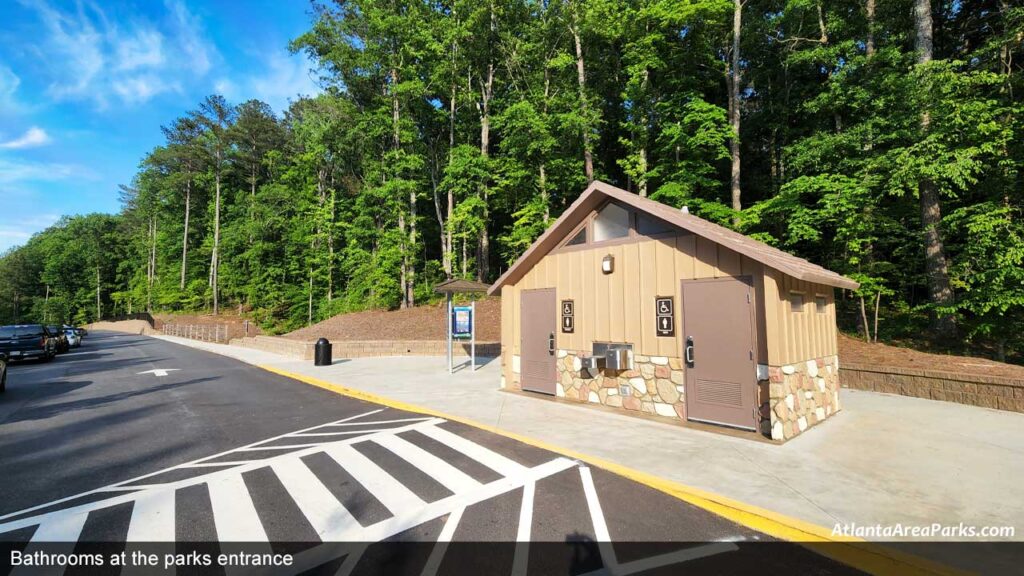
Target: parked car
62	340
3	371
74	340
80	331
25	341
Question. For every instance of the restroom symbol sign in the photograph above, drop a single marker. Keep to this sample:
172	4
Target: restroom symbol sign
664	316
568	317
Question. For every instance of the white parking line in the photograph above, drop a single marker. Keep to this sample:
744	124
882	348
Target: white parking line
437	554
522	557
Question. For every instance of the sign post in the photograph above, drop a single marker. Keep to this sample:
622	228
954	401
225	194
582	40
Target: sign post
449	331
461	319
462	325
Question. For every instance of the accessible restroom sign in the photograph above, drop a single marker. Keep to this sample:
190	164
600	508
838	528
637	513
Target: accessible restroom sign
568	317
664	316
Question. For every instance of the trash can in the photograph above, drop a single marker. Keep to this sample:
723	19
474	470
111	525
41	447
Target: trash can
322	353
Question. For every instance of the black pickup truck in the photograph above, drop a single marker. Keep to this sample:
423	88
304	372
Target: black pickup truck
27	341
3	371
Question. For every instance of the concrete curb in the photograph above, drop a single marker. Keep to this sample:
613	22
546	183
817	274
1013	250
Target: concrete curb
857	553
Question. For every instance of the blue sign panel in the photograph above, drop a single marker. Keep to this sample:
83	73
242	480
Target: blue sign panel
462	322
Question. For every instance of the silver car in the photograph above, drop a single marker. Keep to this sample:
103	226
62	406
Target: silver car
74	340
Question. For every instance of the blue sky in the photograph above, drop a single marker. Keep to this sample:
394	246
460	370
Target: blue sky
85	87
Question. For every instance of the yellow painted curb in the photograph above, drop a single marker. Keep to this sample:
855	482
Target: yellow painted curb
854	552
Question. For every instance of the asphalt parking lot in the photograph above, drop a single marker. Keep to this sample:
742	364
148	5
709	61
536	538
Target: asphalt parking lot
135	440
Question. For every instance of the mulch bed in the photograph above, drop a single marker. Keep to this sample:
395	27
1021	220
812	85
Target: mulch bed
854	351
419	323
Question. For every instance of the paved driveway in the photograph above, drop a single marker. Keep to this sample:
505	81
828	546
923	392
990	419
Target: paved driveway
883	460
134	441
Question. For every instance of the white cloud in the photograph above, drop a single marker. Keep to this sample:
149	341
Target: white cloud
34	136
93	58
189	37
285	78
9	83
142	49
21	171
15	233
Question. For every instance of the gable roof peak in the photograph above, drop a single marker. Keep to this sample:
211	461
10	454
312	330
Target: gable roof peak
598	192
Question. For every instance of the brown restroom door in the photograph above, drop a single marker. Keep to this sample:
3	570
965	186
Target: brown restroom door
718	350
537	324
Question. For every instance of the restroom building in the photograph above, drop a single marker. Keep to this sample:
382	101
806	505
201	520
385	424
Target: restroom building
633	304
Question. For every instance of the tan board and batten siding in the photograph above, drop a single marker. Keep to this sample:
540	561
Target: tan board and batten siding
606	303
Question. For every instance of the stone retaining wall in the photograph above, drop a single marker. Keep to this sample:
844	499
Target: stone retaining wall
360	349
972	389
801	395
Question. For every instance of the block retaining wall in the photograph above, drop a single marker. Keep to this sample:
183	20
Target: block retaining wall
360	349
972	389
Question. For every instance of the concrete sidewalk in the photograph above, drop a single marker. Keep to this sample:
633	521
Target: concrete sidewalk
883	460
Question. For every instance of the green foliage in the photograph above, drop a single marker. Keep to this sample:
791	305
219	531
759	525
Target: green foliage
341	202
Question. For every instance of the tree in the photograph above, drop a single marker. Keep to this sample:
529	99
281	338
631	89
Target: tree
215	116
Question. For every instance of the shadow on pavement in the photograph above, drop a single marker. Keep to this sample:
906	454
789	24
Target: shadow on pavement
50	410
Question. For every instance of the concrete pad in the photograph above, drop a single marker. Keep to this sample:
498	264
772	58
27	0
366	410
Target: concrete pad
883	460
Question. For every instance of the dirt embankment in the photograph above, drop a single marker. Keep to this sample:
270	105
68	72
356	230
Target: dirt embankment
236	327
129	326
419	323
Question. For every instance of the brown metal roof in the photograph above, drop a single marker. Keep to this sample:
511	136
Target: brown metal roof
598	192
456	286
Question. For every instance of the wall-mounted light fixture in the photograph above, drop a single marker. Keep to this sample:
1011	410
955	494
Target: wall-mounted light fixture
608	264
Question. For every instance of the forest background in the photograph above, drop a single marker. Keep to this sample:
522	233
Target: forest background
882	140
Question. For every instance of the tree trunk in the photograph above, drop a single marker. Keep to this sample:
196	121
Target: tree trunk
581	78
869	44
939	288
878	302
864	321
152	269
184	239
99	310
215	259
446	231
309	310
735	77
484	248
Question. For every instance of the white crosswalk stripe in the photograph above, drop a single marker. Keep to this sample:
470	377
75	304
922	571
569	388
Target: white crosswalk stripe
152	517
328	517
489	458
449	476
391	493
235	516
236	519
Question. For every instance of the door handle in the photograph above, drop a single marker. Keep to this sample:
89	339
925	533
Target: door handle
551	343
689	351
